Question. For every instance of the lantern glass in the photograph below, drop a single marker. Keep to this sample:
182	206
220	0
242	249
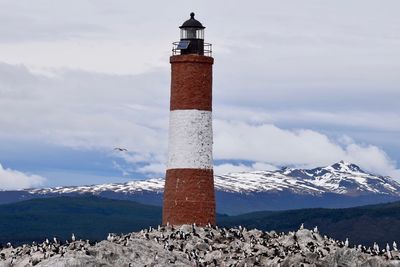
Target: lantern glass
192	33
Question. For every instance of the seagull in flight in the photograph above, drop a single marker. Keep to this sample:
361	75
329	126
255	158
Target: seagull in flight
121	149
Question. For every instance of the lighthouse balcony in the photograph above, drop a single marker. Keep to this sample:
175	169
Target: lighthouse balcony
185	47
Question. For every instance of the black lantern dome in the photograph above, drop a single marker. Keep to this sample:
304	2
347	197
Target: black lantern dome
192	23
192	38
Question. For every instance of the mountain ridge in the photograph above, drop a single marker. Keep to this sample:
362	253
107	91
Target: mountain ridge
340	178
340	185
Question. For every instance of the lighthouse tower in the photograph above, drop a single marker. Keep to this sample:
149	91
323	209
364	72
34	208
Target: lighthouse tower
189	184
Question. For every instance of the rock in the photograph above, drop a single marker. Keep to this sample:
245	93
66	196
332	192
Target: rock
189	245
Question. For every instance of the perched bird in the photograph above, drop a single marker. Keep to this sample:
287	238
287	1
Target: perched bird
230	246
388	253
302	226
110	238
376	247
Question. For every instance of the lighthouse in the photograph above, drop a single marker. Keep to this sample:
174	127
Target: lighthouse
189	183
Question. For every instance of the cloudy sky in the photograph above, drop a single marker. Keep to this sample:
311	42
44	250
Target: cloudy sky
302	83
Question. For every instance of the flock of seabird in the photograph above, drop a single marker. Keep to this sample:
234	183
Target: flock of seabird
190	245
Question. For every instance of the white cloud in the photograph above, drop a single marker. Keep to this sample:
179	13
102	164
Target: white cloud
262	166
124	59
85	110
95	111
230	168
12	179
278	66
304	148
395	174
153	168
372	158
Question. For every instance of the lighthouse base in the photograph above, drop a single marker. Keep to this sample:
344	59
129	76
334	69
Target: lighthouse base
189	197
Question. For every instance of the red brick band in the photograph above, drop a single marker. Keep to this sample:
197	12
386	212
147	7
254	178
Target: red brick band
191	82
189	197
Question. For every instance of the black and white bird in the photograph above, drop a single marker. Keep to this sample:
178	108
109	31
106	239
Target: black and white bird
110	237
376	247
388	252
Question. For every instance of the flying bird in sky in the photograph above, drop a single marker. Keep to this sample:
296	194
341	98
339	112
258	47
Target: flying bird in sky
121	149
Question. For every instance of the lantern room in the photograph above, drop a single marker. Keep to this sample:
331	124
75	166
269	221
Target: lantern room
192	39
192	29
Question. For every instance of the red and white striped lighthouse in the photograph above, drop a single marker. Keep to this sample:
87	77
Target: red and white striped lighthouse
189	186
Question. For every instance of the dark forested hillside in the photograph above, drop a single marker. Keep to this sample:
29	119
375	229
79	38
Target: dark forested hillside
86	217
93	218
365	225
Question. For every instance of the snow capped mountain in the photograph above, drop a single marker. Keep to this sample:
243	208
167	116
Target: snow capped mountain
340	185
152	185
340	178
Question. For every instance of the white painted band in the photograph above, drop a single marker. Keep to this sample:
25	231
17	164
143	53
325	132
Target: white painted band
190	139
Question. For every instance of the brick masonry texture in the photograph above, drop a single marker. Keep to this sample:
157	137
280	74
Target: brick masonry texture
189	197
191	82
